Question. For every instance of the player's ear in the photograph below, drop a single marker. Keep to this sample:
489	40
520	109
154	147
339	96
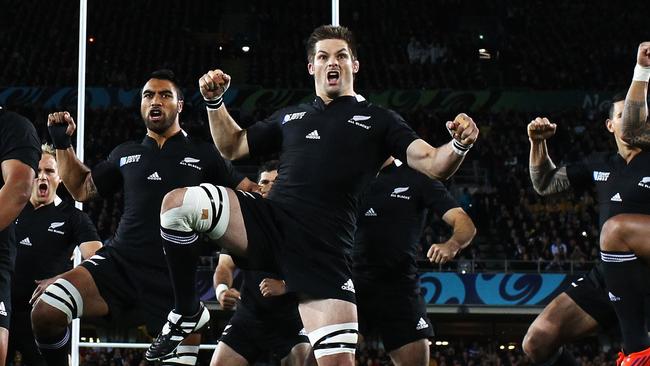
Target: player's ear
355	66
310	68
180	105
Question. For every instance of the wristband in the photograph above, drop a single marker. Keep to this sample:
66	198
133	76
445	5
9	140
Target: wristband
641	73
60	139
460	148
214	103
219	289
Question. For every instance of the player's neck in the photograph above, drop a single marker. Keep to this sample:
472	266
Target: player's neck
628	152
39	205
161	138
328	99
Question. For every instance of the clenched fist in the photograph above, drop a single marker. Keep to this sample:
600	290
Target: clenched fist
214	84
541	129
643	56
463	129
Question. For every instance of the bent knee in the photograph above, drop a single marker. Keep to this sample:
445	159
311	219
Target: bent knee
172	199
47	319
538	342
612	234
204	209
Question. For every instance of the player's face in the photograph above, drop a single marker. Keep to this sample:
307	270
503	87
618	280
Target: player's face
159	106
333	69
614	125
47	180
266	181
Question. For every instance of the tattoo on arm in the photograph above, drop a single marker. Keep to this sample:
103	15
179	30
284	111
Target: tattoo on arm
548	180
636	129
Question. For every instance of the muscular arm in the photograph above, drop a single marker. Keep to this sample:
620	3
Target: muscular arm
635	126
75	175
546	177
15	193
436	163
464	229
89	248
224	272
229	138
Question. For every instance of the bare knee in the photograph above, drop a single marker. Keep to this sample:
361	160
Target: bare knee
173	199
47	320
338	359
538	343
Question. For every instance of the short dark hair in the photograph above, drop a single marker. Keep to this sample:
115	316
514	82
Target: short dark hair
618	97
267	167
166	74
330	32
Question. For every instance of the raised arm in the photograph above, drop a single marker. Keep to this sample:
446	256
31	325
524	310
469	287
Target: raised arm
442	162
229	138
18	179
635	127
546	177
464	232
223	277
75	175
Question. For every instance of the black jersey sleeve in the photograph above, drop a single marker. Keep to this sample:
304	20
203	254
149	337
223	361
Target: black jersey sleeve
18	140
221	171
436	197
265	137
399	136
580	173
83	229
107	175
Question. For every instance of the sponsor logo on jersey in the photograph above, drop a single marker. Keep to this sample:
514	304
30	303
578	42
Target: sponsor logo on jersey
54	226
617	198
292	116
371	212
348	286
356	120
601	176
398	190
422	324
613	297
3	310
154	176
26	241
191	162
129	159
313	135
645	182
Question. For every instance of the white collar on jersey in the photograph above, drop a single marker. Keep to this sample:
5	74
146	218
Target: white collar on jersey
184	133
360	98
398	162
57	200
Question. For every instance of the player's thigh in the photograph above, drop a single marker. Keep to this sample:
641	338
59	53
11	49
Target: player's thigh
415	353
80	280
225	356
561	321
332	327
631	229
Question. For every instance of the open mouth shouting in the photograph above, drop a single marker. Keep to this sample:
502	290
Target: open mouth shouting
43	189
333	77
155	114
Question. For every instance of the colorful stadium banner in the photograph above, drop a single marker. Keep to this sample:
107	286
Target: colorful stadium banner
449	288
249	99
516	289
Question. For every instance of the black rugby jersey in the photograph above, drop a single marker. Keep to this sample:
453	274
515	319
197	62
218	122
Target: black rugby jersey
264	308
46	238
147	173
328	154
18	140
621	187
391	220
